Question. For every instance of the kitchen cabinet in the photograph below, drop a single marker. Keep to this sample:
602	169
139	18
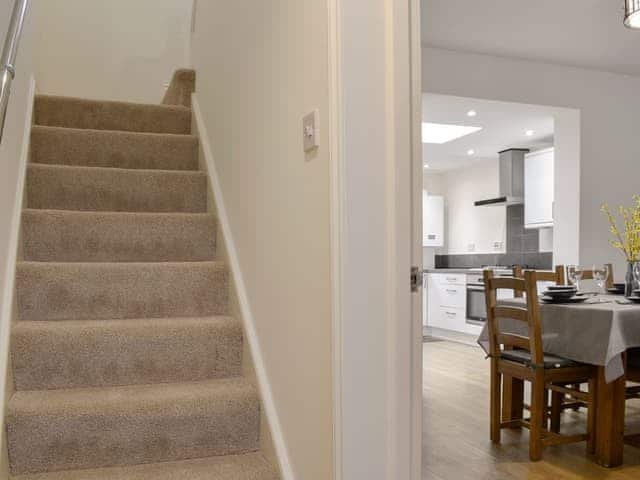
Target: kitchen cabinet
446	301
432	220
538	188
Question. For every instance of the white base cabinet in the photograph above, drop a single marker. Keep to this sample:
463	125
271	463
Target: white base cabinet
446	301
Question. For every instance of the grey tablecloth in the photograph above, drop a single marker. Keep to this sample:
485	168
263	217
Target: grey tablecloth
590	333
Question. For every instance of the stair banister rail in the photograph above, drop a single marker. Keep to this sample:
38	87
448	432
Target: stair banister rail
8	58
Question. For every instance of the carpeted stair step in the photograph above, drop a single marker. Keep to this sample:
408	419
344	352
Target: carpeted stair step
74	429
111	291
249	466
97	353
114	189
71	236
69	112
107	148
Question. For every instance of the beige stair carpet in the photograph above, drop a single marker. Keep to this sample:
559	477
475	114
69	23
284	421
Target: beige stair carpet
107	148
99	115
115	189
182	85
125	352
68	236
251	466
126	363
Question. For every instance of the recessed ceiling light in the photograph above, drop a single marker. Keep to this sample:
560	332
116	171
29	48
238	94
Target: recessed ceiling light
529	133
471	152
441	133
471	113
426	165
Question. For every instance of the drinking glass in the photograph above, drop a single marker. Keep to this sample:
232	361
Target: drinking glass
600	275
574	273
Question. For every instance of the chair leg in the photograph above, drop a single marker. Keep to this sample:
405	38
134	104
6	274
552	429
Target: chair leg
577	387
591	417
538	408
512	398
556	410
496	414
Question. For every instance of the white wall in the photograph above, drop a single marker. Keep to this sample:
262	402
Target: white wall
14	127
115	50
12	164
433	182
600	110
261	67
466	223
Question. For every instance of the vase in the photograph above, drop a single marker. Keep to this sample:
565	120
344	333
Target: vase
629	282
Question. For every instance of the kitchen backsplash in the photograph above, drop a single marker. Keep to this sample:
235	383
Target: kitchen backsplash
522	248
539	261
520	239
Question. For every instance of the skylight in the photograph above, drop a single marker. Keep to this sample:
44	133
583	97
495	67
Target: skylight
441	133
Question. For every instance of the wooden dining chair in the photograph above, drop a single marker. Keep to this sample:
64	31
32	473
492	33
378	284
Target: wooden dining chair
632	391
512	386
559	403
522	357
632	365
556	276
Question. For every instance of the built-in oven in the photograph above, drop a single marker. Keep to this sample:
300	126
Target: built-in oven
476	306
476	303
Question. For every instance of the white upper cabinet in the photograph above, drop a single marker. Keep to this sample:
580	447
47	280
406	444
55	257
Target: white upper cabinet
538	189
432	220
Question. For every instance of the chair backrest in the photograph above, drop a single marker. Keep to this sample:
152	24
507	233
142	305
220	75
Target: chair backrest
588	275
556	276
528	313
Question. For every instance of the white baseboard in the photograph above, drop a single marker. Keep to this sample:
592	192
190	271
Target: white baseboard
245	307
6	315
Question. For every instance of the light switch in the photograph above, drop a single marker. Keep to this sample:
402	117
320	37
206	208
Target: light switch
311	130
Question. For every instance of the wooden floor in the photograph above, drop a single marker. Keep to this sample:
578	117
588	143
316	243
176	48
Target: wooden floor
455	434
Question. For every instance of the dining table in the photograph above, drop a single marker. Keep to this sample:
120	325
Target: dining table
598	332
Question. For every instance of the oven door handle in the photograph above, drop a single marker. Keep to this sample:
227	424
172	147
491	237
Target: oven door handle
475	289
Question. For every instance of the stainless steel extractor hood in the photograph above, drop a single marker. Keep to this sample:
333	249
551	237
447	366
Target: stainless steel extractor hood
511	173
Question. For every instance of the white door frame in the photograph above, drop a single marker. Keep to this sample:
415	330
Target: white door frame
376	162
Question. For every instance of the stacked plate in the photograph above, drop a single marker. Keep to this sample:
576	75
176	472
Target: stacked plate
562	294
635	298
617	289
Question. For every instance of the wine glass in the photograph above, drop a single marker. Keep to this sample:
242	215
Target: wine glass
574	273
600	275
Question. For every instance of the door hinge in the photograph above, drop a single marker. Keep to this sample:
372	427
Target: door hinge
416	279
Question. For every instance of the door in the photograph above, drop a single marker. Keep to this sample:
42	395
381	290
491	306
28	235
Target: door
377	237
416	182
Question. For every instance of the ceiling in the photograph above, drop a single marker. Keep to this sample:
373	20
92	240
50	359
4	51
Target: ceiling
582	33
503	126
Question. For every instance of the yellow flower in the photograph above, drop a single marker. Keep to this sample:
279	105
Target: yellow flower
627	241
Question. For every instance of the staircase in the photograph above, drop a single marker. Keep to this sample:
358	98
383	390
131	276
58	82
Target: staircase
126	363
